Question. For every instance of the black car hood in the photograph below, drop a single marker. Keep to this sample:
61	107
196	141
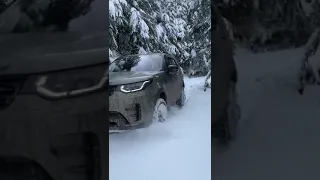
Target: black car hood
117	78
42	52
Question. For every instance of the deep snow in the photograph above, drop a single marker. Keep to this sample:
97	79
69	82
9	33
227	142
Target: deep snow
279	133
178	149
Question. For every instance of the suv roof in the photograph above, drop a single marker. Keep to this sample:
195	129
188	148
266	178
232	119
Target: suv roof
53	15
160	54
132	55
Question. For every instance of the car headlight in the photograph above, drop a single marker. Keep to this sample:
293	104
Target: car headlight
128	88
71	83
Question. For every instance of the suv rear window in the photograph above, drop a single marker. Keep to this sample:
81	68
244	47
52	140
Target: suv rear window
137	63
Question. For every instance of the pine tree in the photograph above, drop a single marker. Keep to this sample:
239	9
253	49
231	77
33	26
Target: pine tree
178	27
199	37
277	22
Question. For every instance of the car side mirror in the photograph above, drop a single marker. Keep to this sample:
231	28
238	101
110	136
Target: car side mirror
173	69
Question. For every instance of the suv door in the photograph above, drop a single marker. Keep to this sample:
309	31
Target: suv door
179	76
175	79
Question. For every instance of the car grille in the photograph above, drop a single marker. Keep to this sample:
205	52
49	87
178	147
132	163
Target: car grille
112	89
9	87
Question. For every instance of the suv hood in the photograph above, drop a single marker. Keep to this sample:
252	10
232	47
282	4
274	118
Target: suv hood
42	52
117	78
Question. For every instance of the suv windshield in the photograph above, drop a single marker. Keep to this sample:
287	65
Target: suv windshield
137	63
25	16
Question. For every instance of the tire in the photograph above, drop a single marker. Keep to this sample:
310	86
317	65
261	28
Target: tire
160	112
182	99
233	113
23	171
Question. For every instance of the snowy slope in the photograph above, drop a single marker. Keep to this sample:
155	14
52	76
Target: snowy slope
279	133
179	149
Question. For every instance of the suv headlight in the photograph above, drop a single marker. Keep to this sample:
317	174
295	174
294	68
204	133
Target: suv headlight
69	83
134	87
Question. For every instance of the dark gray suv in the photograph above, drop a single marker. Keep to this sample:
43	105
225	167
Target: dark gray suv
140	89
53	91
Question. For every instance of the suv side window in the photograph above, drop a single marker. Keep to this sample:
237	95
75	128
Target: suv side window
169	61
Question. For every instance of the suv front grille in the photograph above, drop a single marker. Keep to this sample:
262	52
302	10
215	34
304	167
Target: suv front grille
9	87
118	119
112	89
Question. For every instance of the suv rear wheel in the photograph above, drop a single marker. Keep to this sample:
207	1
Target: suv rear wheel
21	169
182	99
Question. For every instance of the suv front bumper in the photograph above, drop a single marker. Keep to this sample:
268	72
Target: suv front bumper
67	138
128	111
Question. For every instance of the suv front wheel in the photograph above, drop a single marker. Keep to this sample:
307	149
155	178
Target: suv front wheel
160	111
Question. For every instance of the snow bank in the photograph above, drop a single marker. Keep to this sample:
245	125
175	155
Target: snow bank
278	124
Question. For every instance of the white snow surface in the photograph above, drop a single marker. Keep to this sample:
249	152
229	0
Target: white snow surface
178	149
279	130
115	8
193	53
142	51
111	59
160	32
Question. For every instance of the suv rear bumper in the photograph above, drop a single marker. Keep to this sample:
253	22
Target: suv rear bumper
128	111
64	137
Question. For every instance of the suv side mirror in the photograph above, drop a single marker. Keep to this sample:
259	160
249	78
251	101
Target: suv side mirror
173	69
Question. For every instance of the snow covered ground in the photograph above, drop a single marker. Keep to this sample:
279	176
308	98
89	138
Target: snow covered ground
178	149
279	134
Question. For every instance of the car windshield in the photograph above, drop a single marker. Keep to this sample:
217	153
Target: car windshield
137	63
30	16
